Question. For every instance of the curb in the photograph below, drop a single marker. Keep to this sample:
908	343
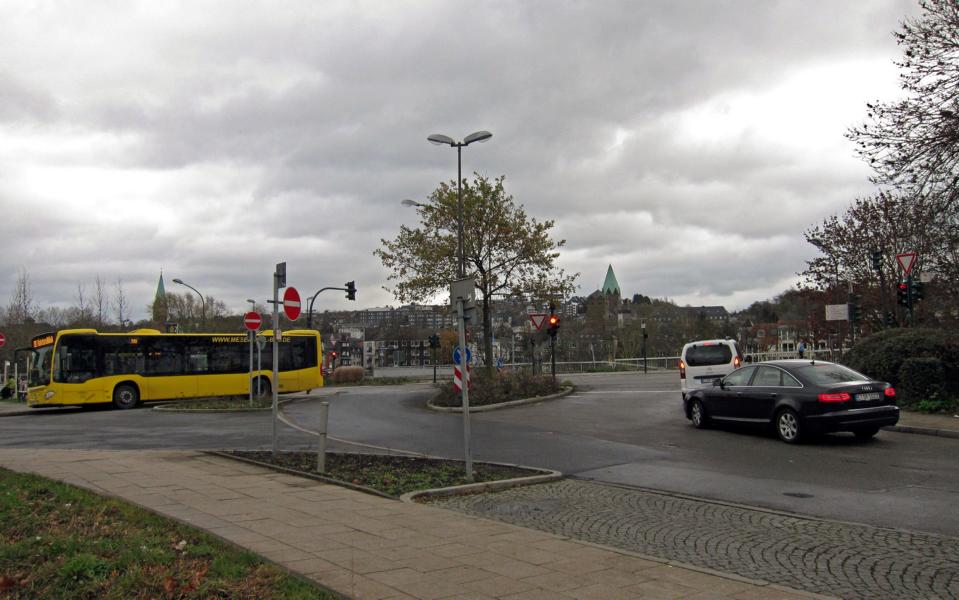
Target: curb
171	407
485	486
947	433
38	411
565	392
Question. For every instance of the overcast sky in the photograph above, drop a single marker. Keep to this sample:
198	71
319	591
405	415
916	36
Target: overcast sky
688	144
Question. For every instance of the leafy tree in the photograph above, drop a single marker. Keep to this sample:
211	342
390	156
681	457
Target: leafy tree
913	144
506	250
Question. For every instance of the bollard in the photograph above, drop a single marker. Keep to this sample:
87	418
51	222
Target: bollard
321	445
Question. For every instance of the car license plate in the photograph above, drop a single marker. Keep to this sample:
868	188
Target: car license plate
866	397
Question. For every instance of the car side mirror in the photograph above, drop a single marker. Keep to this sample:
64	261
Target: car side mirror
718	383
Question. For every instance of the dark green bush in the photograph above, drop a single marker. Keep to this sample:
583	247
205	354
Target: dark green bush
498	387
883	356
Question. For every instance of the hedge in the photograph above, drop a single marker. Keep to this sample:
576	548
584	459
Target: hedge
498	387
922	364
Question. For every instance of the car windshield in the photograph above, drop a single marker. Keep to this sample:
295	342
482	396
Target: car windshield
829	373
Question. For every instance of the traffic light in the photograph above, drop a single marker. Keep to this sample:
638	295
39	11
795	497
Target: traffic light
553	325
917	291
855	308
877	260
434	341
902	294
890	319
333	357
350	290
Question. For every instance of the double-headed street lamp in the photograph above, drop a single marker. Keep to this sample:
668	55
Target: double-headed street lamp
202	301
458	297
441	140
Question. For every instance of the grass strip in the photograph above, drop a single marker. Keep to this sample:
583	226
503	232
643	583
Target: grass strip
60	541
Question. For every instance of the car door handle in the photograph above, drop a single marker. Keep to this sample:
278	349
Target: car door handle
773	395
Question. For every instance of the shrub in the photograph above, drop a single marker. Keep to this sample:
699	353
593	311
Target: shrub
883	356
498	387
922	384
347	374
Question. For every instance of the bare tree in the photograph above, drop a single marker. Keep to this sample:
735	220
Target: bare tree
101	305
81	310
120	303
21	307
913	144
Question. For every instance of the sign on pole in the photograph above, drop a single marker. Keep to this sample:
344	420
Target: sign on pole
538	319
3	340
837	312
458	356
906	261
252	320
291	303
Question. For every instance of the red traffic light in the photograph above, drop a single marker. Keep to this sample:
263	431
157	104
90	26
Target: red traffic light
553	320
903	286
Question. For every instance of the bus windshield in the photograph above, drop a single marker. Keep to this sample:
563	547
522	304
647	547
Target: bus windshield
40	366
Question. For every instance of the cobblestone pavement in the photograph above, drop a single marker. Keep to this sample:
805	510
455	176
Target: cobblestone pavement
825	557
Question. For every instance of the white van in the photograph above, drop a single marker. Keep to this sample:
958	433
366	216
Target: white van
702	362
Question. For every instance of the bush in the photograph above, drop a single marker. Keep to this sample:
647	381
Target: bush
932	356
922	385
498	387
347	374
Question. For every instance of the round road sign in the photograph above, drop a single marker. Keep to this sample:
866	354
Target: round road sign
457	356
291	303
3	340
252	320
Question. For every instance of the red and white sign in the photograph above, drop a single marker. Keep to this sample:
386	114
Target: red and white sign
291	303
457	378
252	320
538	319
906	260
3	340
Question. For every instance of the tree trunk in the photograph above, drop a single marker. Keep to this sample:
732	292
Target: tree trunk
488	334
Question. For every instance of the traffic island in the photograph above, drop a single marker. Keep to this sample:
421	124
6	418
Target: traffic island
565	391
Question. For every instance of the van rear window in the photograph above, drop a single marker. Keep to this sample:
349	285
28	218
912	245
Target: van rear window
705	356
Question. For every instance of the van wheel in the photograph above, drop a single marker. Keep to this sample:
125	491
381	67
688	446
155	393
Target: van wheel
261	388
788	427
125	396
698	415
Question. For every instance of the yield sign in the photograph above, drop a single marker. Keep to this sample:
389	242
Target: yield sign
538	319
906	260
252	320
291	303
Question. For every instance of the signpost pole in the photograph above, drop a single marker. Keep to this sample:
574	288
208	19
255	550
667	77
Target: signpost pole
252	334
276	349
466	389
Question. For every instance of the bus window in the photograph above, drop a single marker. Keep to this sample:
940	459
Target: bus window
78	358
230	358
121	355
197	356
164	356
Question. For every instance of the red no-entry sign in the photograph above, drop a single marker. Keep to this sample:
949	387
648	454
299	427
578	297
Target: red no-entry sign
252	320
291	303
3	340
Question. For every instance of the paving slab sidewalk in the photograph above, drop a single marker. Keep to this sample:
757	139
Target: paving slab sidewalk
364	546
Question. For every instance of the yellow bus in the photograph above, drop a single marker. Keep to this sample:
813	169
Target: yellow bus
83	366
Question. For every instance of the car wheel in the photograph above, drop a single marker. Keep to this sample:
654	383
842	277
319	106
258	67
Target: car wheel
865	434
125	396
698	415
788	426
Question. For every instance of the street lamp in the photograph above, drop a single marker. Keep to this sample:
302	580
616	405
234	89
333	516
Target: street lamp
442	140
202	300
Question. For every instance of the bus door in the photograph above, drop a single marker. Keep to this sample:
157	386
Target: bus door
166	375
76	367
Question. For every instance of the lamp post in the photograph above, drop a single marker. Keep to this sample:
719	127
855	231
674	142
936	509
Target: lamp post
440	140
202	301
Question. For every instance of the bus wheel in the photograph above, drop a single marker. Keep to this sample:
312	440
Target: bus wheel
261	387
125	396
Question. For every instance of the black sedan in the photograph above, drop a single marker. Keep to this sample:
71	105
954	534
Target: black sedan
797	397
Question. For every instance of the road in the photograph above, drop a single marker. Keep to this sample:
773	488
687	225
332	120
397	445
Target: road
624	429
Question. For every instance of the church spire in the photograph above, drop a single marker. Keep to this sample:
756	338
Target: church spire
611	286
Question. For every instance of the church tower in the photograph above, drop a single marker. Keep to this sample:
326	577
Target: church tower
159	302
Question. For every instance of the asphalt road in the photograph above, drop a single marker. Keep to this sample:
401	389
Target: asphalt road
625	429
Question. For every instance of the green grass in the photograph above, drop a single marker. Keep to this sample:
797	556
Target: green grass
223	403
58	541
328	382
